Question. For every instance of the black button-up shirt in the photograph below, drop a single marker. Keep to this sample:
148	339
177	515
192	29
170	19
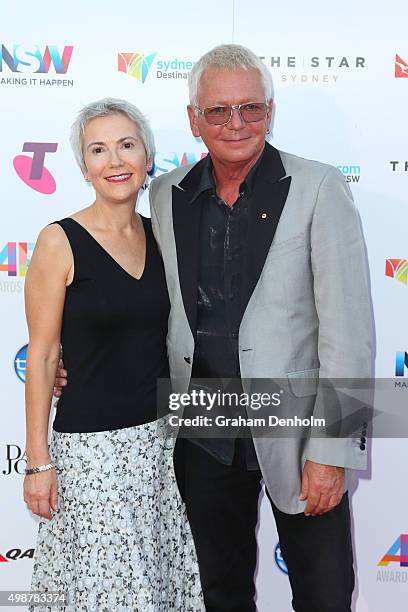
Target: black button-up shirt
222	253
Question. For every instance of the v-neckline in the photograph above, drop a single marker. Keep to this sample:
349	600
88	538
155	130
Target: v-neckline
118	265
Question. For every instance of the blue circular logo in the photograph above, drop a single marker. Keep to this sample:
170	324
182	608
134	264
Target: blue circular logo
280	562
20	361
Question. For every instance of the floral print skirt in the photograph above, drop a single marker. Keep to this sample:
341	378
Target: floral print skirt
120	540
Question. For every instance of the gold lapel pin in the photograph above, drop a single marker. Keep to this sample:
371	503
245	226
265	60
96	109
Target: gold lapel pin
263	216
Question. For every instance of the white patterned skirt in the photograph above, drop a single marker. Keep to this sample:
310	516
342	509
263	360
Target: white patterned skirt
120	540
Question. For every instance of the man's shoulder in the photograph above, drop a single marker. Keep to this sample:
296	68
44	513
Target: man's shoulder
174	177
310	169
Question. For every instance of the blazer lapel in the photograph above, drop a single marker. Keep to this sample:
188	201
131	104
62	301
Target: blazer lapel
186	224
271	188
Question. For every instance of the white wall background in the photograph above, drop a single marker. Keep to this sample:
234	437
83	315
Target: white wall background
341	114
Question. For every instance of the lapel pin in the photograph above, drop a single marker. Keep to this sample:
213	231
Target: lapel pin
263	216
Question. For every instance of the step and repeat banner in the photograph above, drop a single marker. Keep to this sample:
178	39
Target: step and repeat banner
341	96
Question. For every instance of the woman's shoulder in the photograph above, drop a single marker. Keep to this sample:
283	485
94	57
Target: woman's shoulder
53	240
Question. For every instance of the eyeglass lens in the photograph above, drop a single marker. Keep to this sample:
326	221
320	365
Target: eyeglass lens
254	111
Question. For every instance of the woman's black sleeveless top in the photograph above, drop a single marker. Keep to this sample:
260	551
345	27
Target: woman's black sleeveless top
113	337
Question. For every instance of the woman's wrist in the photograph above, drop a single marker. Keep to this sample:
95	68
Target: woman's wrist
39	469
37	458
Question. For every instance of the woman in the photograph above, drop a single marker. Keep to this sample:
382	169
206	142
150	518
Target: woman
114	533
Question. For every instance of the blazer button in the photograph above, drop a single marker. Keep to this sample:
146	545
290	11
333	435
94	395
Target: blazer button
363	440
362	447
187	360
364	432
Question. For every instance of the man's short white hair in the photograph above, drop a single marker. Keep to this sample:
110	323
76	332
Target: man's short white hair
104	108
228	57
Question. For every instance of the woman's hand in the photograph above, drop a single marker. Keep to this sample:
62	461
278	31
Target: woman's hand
41	493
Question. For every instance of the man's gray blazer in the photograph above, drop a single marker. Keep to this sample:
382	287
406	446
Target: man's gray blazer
308	313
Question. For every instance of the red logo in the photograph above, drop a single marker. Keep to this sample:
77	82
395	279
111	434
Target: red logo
401	68
3	559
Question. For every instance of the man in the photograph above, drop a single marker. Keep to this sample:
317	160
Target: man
267	278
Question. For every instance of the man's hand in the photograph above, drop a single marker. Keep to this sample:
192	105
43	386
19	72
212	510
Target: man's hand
322	486
60	380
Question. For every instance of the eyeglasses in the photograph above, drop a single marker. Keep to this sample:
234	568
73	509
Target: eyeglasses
221	115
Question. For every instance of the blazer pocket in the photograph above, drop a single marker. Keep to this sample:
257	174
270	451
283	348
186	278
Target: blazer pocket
303	382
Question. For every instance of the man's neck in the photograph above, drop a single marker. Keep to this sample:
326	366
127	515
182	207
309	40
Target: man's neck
228	177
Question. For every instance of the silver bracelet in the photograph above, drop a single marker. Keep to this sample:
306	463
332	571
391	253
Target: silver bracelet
39	468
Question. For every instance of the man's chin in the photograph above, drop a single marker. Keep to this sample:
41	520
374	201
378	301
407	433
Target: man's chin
237	153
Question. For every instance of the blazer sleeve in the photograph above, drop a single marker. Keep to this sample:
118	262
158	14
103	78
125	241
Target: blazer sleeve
154	214
343	305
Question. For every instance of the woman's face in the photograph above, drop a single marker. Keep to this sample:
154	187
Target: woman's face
115	157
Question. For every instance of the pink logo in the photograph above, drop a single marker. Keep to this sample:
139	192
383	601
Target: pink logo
401	68
32	171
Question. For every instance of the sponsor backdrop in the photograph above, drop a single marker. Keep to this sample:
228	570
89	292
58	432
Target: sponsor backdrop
341	94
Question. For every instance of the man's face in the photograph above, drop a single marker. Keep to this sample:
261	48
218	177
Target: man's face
236	142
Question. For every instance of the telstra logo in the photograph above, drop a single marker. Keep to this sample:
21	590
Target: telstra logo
279	560
20	363
31	60
32	171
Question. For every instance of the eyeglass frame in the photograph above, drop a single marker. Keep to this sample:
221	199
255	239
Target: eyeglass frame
232	108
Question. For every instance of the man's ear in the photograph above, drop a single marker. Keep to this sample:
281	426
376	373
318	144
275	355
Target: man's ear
193	118
269	113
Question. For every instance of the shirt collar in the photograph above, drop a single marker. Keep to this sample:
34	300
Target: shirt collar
206	180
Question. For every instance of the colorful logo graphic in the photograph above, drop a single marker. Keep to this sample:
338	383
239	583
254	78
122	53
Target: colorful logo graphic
20	361
401	362
32	171
401	68
31	60
15	258
398	269
280	562
165	162
135	64
400	546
